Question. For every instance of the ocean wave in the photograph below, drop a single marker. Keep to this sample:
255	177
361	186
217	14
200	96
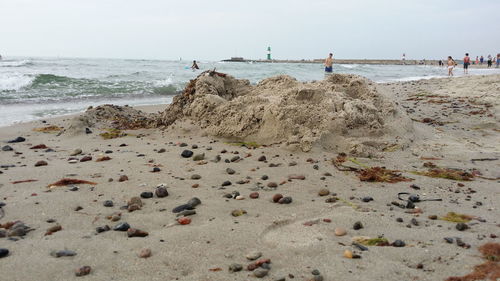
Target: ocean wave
14	81
14	63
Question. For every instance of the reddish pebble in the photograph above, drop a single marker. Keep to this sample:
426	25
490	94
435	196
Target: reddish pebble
41	163
195	185
252	266
327	220
123	178
82	271
86	158
254	195
34	194
40	146
145	253
184	220
277	197
134	232
262	261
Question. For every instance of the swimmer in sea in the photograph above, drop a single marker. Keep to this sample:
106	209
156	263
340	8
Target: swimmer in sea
329	64
194	66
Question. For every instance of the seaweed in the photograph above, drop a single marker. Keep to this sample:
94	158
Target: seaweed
112	134
23	181
48	129
245	144
68	181
446	173
454	217
370	174
379	241
489	270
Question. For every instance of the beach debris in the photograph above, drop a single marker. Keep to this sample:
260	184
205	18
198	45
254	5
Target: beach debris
16	140
112	133
23	181
82	271
456	217
63	253
48	129
184	220
53	229
69	181
103	158
447	173
367	241
235	267
489	270
145	253
369	174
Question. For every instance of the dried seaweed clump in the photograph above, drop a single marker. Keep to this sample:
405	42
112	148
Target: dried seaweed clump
68	181
447	173
454	217
489	270
48	129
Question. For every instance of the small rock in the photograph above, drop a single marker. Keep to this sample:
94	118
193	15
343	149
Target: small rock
272	185
357	225
41	163
101	229
262	158
162	150
315	272
367	199
323	192
230	171
161	192
226	183
135	200
88	131
82	271
239	197
133	207
145	253
433	217
123	178
235	158
448	240
193	202
195	177
146	194
285	200
53	229
260	272
461	226
133	232
86	158
199	157
63	253
253	256
237	213
18	139
187	153
108	203
264	177
156	170
235	267
398	243
181	208
254	195
277	198
4	252
123	226
339	231
76	152
7	148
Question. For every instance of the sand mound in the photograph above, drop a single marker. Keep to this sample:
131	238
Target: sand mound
342	112
110	116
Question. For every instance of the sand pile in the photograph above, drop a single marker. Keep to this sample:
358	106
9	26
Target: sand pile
341	113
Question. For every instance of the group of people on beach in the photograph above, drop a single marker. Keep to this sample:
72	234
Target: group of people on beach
467	62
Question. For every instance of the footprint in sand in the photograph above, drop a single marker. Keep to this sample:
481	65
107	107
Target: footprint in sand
293	233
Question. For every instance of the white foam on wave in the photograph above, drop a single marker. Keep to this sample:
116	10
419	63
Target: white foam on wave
14	63
14	81
349	65
165	82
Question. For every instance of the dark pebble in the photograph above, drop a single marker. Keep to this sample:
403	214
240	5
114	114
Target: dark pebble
195	177
156	170
262	158
183	144
41	163
264	177
108	203
82	271
285	200
123	226
108	151
230	171
7	148
235	158
181	208
357	225
63	253
193	202
100	229
399	219
414	222
315	272
187	153
4	252
162	150
398	243
88	131
367	199
226	183
133	232
448	240
461	226
18	139
146	194
277	197
161	192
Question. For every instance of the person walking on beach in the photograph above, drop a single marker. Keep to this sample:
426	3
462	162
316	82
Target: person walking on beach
194	66
451	65
477	60
329	64
489	61
466	63
481	60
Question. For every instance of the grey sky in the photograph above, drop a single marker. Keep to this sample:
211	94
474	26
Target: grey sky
218	29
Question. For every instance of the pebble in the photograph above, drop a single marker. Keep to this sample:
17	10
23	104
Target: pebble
4	252
226	183
323	192
193	202
101	229
53	229
145	253
339	231
285	200
162	150
235	267
76	152
240	197
253	255
367	199
433	217
260	272
187	153
134	232
184	220
133	207
88	131
123	226
254	195
262	158
107	203
18	139
357	225
86	158
235	158
63	253
199	157
146	194
448	240
195	177
315	272
461	226
398	243
73	161
7	148
41	163
82	271
237	213
264	177
181	208
277	197
272	185
135	201
230	171
161	192
155	170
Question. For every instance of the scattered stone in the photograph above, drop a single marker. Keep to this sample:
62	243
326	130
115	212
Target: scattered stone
135	201
86	158
156	170
63	253
264	177
277	197
285	200
181	208
7	148
18	229
315	272
230	171
339	231
235	158
253	256
260	272
187	153
4	252
76	152
161	192
162	150
226	183
88	131
145	253
367	199
195	177
16	140
133	207
199	157
398	243
41	163
239	197
414	222
134	232
332	199
235	267
254	195
53	229
237	213
272	185
296	177
196	185
123	178
184	220
323	192
123	226
108	203
357	225
101	229
461	226
433	217
262	158
193	202
448	240
82	271
146	194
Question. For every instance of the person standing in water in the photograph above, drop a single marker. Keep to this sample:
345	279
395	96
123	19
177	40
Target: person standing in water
498	60
489	61
329	64
466	63
194	66
477	60
451	65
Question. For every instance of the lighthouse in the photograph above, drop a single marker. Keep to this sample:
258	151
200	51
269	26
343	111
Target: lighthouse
269	53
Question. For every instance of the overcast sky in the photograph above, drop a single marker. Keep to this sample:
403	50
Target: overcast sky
218	29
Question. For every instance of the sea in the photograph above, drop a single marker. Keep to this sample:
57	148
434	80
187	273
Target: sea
38	88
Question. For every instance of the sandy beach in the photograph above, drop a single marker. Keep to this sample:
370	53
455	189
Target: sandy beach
447	123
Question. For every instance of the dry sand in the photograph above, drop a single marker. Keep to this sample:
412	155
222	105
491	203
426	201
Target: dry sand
455	120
